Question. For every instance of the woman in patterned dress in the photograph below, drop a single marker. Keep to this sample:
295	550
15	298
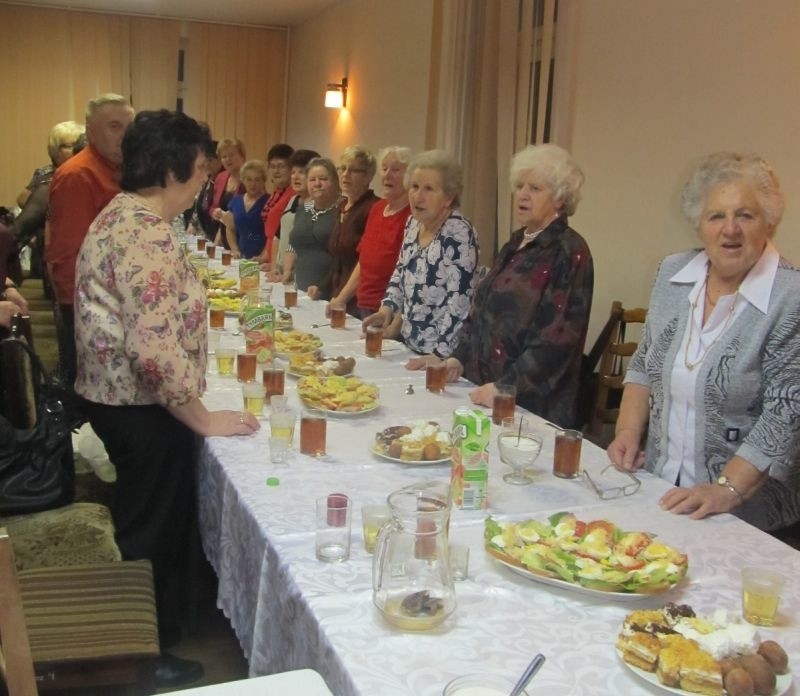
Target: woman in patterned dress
713	386
140	329
431	287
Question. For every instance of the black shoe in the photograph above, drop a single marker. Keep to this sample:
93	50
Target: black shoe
174	671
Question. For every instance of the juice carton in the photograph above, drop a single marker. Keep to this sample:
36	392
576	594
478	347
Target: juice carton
469	477
249	278
258	324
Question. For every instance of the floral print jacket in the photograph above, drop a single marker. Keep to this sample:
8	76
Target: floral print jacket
528	324
432	285
140	312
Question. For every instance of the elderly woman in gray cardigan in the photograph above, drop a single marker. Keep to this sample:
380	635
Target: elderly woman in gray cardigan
715	384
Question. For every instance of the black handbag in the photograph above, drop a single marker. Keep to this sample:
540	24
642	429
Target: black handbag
37	469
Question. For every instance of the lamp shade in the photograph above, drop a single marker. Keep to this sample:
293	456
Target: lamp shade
336	94
334	99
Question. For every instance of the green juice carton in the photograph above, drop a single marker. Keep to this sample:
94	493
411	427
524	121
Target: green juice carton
258	324
249	275
469	475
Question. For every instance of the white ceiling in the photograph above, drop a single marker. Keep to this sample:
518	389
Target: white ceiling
260	12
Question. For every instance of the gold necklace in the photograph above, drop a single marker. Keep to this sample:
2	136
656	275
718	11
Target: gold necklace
708	297
691	365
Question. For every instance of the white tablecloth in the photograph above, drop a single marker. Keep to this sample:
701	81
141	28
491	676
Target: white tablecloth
290	610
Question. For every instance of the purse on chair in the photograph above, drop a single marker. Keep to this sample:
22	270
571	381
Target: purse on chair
37	470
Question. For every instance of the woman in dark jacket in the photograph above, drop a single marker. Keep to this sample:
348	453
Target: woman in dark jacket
528	321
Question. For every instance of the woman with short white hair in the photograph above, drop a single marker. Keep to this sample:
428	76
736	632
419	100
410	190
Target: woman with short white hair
529	318
712	388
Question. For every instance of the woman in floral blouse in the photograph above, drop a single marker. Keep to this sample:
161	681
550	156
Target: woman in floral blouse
528	323
431	286
140	329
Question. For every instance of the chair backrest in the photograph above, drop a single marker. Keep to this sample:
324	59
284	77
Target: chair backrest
76	639
621	345
15	649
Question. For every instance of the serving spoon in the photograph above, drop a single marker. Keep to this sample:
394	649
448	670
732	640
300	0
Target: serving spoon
534	666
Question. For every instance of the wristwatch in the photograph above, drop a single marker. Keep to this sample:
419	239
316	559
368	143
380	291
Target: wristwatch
723	480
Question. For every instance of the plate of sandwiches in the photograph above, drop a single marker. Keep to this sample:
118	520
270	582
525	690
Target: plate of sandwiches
588	557
682	653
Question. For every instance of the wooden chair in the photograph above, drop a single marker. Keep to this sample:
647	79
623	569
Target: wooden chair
613	362
77	627
15	650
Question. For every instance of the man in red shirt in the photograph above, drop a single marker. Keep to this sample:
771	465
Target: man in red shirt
81	188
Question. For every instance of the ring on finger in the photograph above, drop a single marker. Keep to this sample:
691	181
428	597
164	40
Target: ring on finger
241	417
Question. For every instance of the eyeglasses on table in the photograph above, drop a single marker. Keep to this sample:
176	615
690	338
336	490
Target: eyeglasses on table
612	483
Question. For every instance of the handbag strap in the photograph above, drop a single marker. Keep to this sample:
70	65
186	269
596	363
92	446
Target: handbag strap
40	379
40	373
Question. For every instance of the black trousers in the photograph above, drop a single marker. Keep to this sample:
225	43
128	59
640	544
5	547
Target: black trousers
65	334
154	507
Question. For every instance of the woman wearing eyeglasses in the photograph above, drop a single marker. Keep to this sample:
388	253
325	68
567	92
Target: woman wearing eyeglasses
356	169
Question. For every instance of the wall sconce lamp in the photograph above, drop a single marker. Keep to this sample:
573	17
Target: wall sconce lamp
336	95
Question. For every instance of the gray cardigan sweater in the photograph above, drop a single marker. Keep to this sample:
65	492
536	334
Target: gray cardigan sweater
748	390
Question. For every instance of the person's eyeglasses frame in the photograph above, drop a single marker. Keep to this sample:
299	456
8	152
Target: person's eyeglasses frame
617	491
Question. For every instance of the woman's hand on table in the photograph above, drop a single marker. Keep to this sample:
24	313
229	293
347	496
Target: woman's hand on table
483	395
334	300
227	423
454	369
625	451
699	501
419	363
313	292
210	423
382	318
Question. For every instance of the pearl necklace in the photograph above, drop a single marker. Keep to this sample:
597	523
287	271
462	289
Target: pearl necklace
528	236
691	365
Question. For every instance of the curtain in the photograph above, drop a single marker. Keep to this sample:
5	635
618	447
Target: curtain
235	80
55	60
154	45
489	97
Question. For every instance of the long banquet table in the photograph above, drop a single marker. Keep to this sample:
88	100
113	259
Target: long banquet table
291	611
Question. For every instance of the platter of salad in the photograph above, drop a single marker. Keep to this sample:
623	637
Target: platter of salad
595	557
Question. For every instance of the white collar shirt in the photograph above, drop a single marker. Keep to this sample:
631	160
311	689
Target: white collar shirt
755	289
